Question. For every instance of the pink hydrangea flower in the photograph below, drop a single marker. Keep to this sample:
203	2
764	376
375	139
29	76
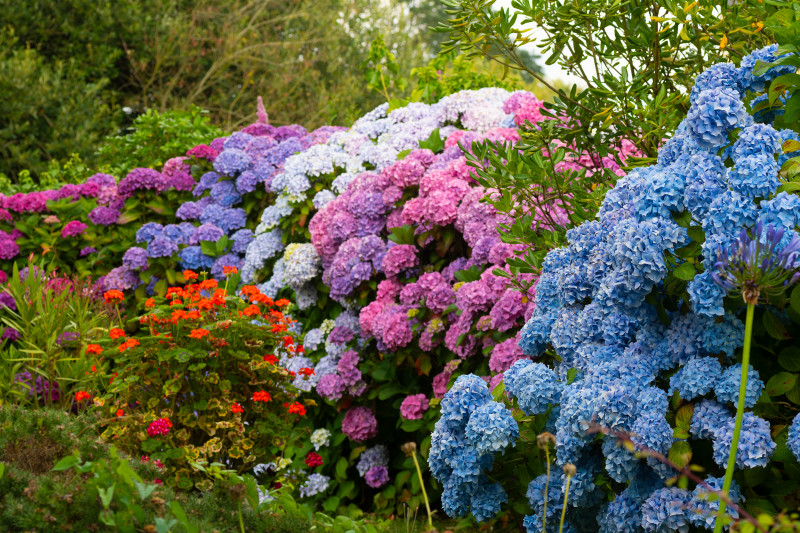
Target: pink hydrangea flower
359	424
73	228
414	406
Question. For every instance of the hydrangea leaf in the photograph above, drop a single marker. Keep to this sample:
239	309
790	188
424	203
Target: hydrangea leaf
680	453
795	299
781	383
685	272
789	359
775	327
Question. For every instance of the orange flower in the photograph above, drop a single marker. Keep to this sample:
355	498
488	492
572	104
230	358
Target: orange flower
177	315
188	274
150	302
174	290
236	408
94	348
250	290
130	343
120	412
296	408
205	303
262	299
82	395
116	333
279	328
176	302
229	270
199	333
282	302
209	284
218	298
251	310
271	359
261	396
193	314
113	295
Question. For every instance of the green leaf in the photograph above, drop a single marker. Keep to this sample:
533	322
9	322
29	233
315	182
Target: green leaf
471	274
697	234
683	418
144	489
683	219
499	390
434	143
331	504
572	373
106	495
66	463
685	272
789	359
680	453
781	383
794	301
775	327
341	468
389	391
403	154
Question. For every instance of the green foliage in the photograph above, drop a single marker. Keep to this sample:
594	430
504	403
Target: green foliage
154	138
200	363
52	314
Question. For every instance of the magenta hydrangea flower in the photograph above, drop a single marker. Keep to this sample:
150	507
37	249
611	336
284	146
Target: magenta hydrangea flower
87	251
331	387
73	228
399	258
359	424
414	406
104	216
8	249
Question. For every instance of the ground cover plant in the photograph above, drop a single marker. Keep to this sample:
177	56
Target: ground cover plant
638	330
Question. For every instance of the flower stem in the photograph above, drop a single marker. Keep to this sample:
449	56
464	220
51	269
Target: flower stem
726	485
564	508
546	486
241	522
424	493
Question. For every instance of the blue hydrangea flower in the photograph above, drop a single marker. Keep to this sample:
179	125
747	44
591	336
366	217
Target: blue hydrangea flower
468	393
491	428
793	442
315	484
695	378
535	386
713	114
707	418
207	180
232	162
754	176
623	515
781	211
719	76
225	194
703	512
748	82
193	258
485	502
755	442
148	232
759	140
727	387
666	510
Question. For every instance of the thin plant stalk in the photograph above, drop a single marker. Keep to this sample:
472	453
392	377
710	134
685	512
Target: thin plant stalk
564	507
726	485
546	486
424	492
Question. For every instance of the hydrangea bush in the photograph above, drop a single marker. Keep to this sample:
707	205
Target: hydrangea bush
631	335
398	275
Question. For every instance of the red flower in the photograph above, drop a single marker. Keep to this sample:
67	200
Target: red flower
288	340
116	333
261	396
82	395
113	295
159	427
120	412
189	275
251	310
150	302
306	371
130	343
313	460
296	408
229	270
236	408
94	348
271	359
282	302
209	284
199	333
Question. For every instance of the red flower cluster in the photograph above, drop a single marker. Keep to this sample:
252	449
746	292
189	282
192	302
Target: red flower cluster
236	408
296	408
116	333
113	295
94	348
159	427
261	396
82	395
313	460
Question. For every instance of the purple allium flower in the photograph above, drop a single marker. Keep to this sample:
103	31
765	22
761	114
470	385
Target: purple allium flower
359	424
66	337
377	476
135	258
764	261
88	250
39	387
139	179
6	300
73	228
414	406
104	216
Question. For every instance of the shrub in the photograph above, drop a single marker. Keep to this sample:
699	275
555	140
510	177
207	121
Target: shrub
199	384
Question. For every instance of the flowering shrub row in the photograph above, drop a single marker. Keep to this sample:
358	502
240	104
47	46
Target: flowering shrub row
635	336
